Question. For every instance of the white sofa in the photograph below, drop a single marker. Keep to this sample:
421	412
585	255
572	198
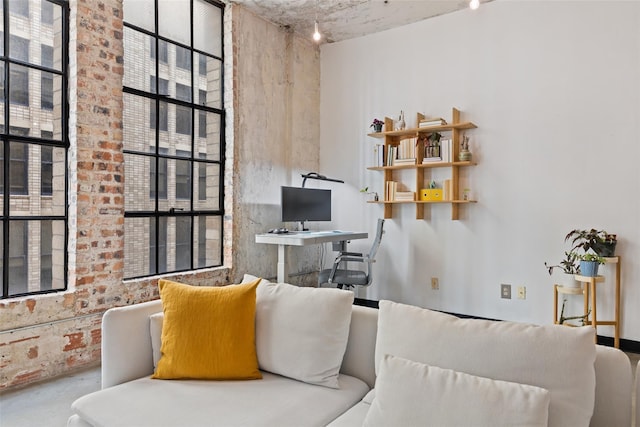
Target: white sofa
130	398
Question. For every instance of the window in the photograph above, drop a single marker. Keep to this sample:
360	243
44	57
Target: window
33	149
161	180
173	203
46	12
46	170
183	120
19	7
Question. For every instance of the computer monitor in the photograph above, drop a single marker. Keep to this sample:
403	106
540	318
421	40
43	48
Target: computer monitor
305	204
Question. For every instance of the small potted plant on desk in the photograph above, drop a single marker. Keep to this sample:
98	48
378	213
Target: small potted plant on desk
569	266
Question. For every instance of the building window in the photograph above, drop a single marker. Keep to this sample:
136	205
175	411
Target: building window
33	149
185	181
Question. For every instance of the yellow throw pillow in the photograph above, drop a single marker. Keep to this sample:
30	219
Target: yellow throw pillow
208	332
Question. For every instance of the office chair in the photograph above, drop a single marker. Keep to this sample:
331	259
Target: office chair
349	278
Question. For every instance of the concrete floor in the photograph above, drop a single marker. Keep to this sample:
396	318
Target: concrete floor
48	404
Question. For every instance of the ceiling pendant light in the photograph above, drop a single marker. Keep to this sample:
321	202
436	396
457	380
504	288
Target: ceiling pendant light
474	4
316	34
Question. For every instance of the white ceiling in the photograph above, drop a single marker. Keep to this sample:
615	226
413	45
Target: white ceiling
345	19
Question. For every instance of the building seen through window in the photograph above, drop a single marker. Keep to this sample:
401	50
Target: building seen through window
173	122
33	147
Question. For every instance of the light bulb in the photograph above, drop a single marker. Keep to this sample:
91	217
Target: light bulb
316	34
474	4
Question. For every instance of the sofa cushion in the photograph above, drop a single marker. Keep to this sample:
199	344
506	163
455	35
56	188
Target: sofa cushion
208	332
273	401
302	333
556	358
410	394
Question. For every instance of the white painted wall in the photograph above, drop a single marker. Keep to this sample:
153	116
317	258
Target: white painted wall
554	88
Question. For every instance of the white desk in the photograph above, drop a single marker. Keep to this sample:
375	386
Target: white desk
302	238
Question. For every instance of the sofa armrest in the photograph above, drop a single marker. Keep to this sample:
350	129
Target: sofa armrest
126	343
359	360
613	388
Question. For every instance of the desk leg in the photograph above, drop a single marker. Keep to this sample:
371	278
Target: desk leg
283	268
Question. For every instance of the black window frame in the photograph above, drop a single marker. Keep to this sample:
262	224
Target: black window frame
155	216
9	137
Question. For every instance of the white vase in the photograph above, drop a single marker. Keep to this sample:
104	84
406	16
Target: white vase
569	281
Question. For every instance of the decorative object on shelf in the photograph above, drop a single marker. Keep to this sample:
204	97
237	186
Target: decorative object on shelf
583	318
589	264
569	266
466	194
400	124
377	125
365	190
465	154
601	242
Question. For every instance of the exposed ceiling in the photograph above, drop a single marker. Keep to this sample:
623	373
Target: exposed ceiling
345	19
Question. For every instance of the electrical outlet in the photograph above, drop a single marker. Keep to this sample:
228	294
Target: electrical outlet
434	283
505	291
522	292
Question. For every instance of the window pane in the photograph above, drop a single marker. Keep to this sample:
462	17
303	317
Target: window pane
210	82
183	58
183	179
208	244
19	86
18	257
137	190
140	246
207	186
140	13
209	137
174	21
138	61
208	20
46	87
51	257
138	134
183	243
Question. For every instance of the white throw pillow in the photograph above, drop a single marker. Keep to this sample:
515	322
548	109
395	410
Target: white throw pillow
556	358
414	394
302	333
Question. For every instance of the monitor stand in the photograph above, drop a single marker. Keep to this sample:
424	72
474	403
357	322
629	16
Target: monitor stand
302	226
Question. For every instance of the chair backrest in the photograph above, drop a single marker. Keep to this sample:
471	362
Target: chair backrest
376	241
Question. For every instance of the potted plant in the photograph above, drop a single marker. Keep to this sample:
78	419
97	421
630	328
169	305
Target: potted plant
377	125
589	263
601	242
365	190
569	266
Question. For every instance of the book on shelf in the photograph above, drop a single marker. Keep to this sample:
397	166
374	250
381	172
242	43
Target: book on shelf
405	196
378	155
447	189
404	162
392	153
390	190
431	160
446	149
433	121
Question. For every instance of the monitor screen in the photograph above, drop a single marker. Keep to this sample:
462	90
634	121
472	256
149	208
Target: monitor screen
305	204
